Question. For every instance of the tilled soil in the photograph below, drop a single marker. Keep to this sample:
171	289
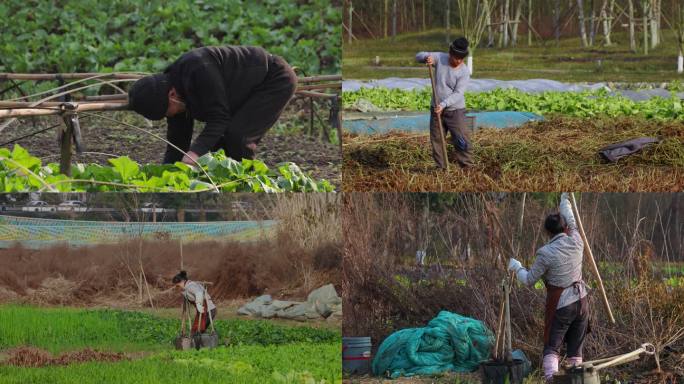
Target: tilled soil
36	357
104	139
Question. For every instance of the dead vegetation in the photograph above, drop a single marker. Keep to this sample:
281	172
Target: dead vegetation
304	253
384	290
553	155
107	274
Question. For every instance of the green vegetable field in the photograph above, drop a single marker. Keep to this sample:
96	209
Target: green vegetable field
571	104
119	35
253	351
21	172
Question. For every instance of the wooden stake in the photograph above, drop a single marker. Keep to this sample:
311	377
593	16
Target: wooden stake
439	120
65	146
590	256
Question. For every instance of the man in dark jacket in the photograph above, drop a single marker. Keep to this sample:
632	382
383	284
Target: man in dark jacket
238	91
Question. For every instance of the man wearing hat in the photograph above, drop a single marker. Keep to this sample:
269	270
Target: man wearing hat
451	78
237	91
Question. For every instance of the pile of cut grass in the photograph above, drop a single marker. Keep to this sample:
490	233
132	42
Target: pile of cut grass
549	156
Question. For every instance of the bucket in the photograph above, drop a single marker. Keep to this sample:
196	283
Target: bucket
208	340
499	372
577	375
183	343
356	355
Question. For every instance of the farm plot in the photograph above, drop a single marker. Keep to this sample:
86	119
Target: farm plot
144	37
558	153
91	346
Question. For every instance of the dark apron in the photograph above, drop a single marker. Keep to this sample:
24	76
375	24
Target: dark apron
553	294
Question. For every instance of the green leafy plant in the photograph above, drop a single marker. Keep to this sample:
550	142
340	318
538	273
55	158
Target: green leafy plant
118	35
574	104
21	172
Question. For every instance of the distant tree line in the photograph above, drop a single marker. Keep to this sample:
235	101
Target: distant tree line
507	22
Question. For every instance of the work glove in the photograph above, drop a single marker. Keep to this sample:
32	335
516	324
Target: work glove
514	265
200	308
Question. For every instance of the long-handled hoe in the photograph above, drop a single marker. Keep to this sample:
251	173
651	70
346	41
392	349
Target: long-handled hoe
439	119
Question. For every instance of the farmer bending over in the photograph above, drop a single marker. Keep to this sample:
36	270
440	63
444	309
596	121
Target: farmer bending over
197	295
451	79
238	91
559	264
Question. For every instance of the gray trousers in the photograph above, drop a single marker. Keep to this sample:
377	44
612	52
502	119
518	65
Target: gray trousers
452	122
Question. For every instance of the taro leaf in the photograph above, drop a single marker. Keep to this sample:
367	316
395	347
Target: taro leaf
176	180
200	185
22	157
97	172
183	167
259	167
125	167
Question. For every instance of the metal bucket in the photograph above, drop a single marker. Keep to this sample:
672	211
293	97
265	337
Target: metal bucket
208	340
356	355
499	372
577	375
184	343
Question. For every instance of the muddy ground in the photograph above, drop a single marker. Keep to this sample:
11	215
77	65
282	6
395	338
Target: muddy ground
323	160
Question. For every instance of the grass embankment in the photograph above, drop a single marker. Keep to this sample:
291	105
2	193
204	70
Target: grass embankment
254	351
566	62
553	155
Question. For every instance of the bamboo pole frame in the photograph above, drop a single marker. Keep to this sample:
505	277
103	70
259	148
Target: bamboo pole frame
46	111
592	261
125	75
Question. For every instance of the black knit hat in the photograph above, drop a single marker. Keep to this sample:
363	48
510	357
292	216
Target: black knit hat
459	47
149	96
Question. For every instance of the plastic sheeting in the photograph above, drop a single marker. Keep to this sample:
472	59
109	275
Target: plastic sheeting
321	303
449	342
379	122
531	86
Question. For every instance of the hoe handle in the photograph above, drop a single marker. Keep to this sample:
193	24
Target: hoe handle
590	256
439	119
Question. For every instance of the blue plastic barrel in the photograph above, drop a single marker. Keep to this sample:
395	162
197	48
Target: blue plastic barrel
356	355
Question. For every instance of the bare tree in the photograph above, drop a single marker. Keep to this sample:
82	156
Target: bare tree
582	26
678	21
447	25
473	22
644	23
632	33
529	23
607	19
556	20
654	17
506	19
394	20
592	23
516	23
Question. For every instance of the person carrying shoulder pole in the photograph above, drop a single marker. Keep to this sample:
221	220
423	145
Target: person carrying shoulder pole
451	79
195	293
559	265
